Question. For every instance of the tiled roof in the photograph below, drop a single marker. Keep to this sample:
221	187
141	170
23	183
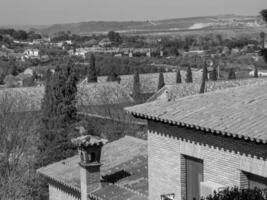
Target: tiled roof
102	94
149	82
128	154
91	94
239	112
178	91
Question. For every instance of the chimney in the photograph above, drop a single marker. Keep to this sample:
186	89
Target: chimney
89	148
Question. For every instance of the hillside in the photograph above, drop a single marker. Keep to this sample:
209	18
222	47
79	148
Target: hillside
169	25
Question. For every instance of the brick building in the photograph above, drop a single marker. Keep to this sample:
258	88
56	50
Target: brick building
206	142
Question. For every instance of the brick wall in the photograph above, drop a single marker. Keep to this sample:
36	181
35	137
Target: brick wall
224	158
56	193
90	180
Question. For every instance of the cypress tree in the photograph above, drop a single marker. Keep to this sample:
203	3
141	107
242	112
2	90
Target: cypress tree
204	79
136	87
256	75
92	77
178	76
58	114
214	75
189	78
161	82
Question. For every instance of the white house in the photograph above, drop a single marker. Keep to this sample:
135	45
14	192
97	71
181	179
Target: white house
28	53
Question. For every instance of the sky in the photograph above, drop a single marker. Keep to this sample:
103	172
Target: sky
45	12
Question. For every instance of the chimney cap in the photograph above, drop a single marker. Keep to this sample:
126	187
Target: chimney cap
88	140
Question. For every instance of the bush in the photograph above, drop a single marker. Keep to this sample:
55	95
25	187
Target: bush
238	194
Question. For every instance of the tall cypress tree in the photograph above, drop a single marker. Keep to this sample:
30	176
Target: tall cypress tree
161	82
204	79
178	76
189	78
92	77
58	114
136	87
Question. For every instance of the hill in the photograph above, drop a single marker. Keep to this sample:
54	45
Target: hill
170	25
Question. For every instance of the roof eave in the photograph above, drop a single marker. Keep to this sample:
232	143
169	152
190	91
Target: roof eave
196	127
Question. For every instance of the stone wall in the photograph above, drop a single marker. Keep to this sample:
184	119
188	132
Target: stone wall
225	159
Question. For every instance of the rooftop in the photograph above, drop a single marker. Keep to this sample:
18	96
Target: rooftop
127	154
178	91
91	94
149	82
239	112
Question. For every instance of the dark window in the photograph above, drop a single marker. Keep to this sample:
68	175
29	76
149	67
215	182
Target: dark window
93	157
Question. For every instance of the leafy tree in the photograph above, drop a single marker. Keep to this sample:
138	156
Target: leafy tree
214	74
18	139
92	77
20	35
231	75
136	87
204	79
189	78
178	76
161	82
114	37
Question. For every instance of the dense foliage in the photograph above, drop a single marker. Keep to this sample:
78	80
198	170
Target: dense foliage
239	194
58	114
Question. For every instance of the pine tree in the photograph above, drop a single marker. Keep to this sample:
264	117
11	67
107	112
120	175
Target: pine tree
204	79
92	77
178	76
189	78
161	82
214	75
136	87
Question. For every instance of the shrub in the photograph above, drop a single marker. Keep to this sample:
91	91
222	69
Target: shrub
238	194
